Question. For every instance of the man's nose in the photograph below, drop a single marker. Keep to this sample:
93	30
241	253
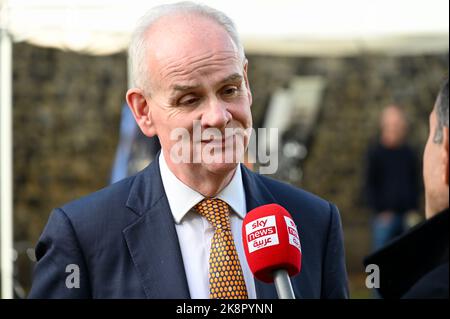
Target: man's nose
216	115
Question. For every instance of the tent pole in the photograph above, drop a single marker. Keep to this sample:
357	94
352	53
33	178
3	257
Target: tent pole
6	196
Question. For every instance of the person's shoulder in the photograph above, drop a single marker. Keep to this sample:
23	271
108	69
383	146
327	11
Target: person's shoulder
289	190
433	285
315	215
107	199
295	198
97	217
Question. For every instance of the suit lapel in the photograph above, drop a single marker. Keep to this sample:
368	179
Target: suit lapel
152	239
153	242
256	194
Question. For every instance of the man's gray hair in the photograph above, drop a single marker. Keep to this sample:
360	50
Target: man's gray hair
139	45
442	112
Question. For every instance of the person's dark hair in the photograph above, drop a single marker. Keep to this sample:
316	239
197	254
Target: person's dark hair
441	112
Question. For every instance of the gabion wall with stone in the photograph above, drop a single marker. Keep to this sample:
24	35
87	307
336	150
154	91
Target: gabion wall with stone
67	112
356	90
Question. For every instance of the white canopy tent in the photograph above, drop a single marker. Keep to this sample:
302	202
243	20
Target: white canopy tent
305	27
279	27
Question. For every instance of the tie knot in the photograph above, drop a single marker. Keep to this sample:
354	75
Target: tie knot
216	211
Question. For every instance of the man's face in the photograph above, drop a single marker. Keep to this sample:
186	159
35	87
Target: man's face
393	127
435	170
196	74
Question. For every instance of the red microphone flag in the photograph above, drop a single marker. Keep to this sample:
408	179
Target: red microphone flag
271	242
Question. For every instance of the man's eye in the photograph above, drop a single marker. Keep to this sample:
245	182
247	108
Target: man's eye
188	100
230	91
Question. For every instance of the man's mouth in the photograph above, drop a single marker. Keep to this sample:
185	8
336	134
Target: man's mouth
215	141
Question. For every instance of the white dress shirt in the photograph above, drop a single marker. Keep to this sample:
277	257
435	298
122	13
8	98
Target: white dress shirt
195	232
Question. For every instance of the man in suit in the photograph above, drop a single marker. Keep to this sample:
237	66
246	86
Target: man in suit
416	264
155	235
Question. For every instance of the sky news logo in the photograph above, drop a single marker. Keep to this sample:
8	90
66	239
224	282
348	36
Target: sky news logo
262	233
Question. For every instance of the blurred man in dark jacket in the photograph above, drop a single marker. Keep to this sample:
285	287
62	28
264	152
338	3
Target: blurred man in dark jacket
416	265
392	177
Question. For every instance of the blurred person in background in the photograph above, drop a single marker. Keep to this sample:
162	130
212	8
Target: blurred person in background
392	177
416	265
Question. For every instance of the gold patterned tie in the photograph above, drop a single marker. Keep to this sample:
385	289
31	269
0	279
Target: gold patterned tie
226	280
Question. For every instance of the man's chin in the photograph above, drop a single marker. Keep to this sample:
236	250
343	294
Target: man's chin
220	168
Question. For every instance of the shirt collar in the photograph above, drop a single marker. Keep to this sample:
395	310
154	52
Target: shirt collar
182	198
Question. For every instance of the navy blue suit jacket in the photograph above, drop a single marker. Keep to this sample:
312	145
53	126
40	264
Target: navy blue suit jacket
124	243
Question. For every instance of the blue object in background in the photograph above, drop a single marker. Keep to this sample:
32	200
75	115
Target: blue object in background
135	150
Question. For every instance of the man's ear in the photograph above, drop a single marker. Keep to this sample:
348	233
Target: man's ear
249	92
141	111
445	155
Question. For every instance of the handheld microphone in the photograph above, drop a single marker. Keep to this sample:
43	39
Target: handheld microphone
272	247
